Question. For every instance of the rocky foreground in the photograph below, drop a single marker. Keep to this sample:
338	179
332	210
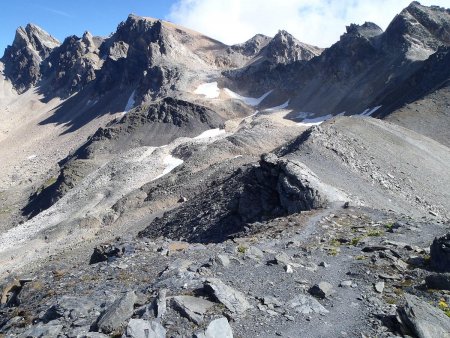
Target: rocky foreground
341	271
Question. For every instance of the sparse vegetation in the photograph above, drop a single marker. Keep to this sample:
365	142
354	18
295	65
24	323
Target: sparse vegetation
375	233
444	307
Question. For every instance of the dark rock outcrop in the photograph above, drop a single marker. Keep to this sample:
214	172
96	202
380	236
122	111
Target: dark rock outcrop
440	253
275	188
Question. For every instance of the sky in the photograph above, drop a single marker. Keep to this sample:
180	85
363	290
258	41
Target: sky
318	22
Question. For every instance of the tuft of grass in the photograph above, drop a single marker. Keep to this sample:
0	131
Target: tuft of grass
242	249
333	251
375	233
355	241
335	242
389	225
360	258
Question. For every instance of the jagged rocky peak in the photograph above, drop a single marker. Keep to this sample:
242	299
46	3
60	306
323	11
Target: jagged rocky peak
22	59
367	30
284	48
252	46
419	30
35	38
73	64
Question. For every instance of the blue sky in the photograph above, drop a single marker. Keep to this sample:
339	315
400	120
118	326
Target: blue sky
62	18
318	22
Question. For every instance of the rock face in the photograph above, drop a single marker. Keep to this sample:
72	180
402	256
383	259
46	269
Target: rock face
23	58
424	320
118	313
72	65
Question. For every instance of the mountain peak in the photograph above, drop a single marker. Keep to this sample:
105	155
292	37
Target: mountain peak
22	59
368	29
285	48
419	30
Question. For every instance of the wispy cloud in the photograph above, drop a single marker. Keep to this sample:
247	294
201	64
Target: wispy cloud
57	12
318	22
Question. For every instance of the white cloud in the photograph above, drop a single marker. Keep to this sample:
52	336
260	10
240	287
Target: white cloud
318	22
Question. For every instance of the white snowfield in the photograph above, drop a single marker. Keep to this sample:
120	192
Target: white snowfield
280	107
210	133
210	90
92	200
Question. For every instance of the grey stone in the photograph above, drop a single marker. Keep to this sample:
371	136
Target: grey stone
139	328
439	281
321	290
219	328
306	304
379	287
254	252
282	259
193	308
233	300
118	313
346	284
424	320
160	304
222	260
43	330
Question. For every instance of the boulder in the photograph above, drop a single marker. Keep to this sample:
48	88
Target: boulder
193	308
321	290
218	328
233	300
438	281
139	328
118	313
440	253
305	304
424	320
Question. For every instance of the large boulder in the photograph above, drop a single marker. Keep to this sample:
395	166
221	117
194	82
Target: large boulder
233	300
139	328
424	320
440	253
118	313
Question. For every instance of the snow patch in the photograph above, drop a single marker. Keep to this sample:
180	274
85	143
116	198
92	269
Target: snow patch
369	112
210	133
282	106
318	120
210	90
131	101
251	101
171	163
